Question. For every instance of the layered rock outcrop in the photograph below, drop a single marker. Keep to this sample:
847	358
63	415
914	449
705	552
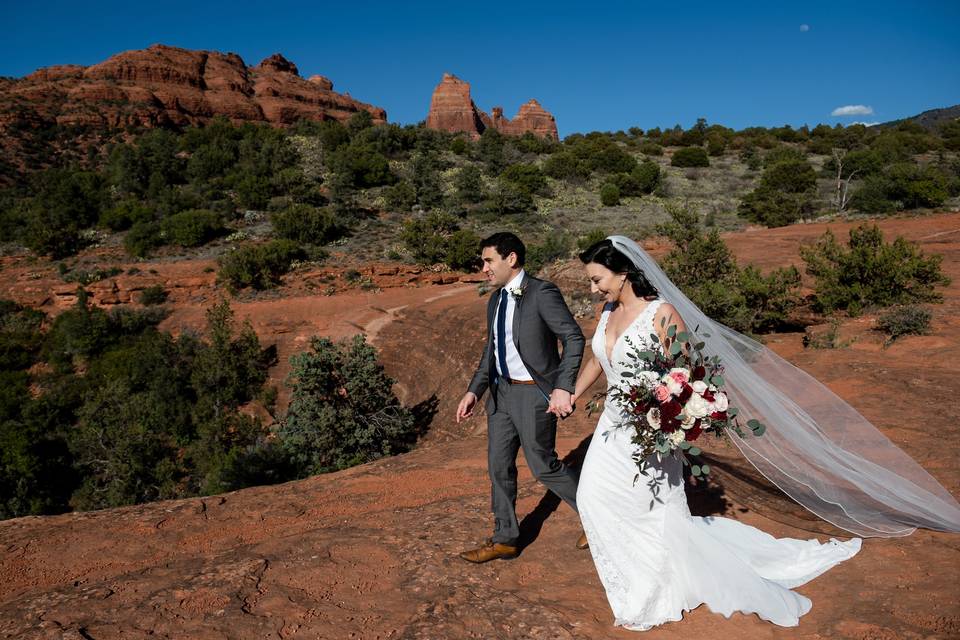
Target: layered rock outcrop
452	109
169	86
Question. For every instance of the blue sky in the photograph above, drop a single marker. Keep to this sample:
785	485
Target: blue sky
595	66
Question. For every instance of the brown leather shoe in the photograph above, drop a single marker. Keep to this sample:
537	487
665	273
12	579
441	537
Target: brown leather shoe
582	541
490	551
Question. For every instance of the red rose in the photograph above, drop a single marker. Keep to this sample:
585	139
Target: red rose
718	415
670	409
693	433
699	373
708	396
686	393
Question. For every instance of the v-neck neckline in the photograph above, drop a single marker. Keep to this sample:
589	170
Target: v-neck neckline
606	322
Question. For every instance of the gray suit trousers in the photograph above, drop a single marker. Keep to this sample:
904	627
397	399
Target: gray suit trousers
520	420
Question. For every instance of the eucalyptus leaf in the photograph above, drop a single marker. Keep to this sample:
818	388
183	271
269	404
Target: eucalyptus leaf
717	380
655	338
699	345
626	374
705	469
753	423
732	412
672	331
694	451
683	336
675	348
695	470
759	431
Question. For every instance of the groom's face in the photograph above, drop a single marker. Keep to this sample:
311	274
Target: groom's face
499	270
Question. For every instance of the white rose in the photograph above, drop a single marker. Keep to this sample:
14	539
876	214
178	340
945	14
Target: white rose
696	407
648	379
653	418
699	386
720	402
676	438
687	421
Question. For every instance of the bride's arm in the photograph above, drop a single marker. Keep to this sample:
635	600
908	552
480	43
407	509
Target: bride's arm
589	372
667	312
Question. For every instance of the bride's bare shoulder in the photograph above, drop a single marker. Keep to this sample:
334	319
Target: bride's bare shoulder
668	312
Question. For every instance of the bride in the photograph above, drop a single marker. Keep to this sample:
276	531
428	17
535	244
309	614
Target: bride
654	558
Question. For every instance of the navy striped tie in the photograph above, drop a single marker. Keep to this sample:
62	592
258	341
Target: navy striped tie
502	333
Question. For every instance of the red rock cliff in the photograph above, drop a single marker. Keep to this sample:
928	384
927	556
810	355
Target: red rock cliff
164	85
452	109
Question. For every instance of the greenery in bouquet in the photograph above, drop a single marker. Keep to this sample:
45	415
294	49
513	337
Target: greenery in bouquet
674	394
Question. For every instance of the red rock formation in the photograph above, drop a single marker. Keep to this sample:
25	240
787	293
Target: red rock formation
165	85
452	109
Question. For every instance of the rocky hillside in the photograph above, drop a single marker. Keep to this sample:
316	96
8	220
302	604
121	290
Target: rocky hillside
370	552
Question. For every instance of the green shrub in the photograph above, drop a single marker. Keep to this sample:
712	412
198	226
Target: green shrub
401	196
306	224
690	157
469	184
259	266
361	165
459	146
192	228
506	198
871	272
125	214
905	320
564	165
651	149
785	194
526	177
343	410
871	196
437	238
143	238
705	269
152	295
609	195
556	246
593	236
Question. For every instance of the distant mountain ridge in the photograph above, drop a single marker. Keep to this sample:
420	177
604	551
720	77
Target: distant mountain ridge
931	119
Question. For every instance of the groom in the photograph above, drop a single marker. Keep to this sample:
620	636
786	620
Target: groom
530	386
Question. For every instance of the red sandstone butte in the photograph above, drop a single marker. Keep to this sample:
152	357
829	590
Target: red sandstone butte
452	109
163	86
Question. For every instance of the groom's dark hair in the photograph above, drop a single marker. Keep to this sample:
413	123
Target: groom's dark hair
506	243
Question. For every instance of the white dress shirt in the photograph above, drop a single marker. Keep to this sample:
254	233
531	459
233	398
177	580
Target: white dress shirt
514	364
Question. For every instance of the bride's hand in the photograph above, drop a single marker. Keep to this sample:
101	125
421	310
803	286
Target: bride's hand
561	404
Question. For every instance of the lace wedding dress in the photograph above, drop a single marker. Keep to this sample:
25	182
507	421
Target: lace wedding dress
658	561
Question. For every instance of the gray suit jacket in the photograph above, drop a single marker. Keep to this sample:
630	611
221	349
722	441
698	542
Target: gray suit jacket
540	319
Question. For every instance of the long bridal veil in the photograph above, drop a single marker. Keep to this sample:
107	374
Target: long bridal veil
817	448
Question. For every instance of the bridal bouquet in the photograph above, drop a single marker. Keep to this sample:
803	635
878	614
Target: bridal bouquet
674	396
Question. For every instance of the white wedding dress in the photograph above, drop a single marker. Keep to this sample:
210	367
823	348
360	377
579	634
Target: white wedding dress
657	562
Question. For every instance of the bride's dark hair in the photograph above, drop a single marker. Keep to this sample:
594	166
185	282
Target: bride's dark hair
605	254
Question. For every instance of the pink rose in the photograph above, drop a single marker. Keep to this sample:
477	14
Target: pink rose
680	376
661	393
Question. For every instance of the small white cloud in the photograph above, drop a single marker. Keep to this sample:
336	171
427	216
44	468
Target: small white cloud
804	28
853	110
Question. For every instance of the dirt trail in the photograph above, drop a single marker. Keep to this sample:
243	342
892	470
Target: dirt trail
371	552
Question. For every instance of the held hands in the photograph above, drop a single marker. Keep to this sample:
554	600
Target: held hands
467	404
561	403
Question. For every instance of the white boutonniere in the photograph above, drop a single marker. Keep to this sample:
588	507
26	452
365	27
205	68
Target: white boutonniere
516	292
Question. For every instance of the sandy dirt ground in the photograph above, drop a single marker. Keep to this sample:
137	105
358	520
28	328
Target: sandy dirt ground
371	552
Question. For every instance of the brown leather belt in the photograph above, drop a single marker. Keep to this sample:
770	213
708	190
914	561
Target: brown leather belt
512	381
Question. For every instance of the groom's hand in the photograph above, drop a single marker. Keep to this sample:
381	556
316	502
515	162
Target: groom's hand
560	403
465	410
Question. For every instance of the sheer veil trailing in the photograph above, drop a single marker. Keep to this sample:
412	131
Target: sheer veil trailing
817	448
